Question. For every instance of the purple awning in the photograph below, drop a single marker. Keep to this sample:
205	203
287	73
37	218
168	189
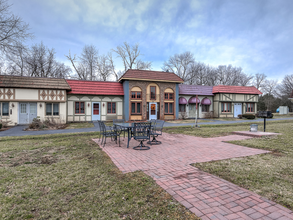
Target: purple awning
206	101
182	101
193	100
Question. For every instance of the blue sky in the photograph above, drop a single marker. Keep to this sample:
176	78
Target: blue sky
253	34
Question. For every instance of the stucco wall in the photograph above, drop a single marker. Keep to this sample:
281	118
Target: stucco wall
15	96
200	113
89	100
234	98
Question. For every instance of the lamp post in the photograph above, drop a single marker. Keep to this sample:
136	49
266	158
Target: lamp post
196	111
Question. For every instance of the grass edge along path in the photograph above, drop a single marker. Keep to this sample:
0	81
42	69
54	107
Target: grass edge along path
80	181
269	175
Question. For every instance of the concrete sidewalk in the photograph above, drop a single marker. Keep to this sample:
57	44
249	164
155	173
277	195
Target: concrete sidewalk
18	130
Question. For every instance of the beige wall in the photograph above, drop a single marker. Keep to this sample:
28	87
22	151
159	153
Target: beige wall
14	96
200	113
234	98
89	99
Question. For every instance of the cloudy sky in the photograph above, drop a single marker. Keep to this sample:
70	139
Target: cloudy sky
254	34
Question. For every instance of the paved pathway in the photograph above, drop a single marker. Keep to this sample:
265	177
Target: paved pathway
208	196
18	130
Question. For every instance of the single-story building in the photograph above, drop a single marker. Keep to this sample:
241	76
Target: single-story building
94	100
138	95
188	101
24	98
231	101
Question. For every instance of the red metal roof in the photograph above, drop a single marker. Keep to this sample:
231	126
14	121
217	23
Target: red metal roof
151	76
95	87
236	89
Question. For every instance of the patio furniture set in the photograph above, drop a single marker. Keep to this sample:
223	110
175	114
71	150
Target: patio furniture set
139	131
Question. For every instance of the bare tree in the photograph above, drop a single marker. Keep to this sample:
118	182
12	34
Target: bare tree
129	55
270	90
13	31
286	86
86	65
16	61
259	80
112	65
143	65
179	64
104	67
41	62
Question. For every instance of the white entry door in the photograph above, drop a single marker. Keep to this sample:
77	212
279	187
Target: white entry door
96	111
237	109
153	110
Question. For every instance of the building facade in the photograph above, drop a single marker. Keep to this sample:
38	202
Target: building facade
139	95
192	96
231	101
94	100
150	95
24	98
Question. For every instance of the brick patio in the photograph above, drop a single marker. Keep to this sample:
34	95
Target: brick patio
206	195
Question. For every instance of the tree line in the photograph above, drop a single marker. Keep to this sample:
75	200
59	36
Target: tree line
40	61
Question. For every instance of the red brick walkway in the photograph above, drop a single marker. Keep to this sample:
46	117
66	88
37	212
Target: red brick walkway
208	196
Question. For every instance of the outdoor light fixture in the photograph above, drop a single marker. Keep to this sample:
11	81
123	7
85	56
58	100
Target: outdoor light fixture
103	104
40	105
12	105
88	104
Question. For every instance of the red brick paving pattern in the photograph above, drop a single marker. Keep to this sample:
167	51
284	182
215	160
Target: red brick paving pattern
206	195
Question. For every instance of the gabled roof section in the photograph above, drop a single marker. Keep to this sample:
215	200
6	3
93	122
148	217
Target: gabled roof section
236	89
95	87
195	90
149	75
8	81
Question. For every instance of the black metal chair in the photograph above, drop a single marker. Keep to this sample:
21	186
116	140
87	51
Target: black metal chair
108	131
121	121
155	131
141	132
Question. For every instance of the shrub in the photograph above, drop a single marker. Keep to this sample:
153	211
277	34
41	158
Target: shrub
0	126
37	124
248	116
239	116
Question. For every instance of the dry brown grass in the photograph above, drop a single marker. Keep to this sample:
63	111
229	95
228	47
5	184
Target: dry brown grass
79	182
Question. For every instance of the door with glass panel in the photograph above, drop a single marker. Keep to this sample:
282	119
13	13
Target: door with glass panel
23	113
96	111
27	112
153	110
32	112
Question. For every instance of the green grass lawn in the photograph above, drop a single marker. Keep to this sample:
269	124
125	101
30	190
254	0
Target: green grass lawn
77	181
80	125
269	175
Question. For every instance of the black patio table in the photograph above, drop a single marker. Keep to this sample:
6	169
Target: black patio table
129	127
